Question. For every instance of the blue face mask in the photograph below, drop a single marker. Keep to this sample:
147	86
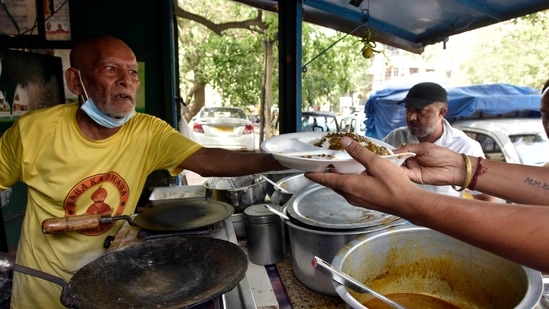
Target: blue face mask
98	116
101	118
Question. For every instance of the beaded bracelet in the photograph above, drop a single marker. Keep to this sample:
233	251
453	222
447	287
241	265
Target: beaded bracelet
468	174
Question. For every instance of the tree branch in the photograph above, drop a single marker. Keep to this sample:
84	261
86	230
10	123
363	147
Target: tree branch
255	25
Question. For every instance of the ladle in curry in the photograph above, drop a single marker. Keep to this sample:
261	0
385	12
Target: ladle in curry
350	282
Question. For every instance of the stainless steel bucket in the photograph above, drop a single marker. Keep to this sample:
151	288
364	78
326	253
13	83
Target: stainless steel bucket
240	192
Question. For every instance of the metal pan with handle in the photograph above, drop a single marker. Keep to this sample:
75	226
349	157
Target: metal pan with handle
175	215
172	272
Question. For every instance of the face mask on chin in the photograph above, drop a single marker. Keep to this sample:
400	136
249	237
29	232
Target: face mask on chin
97	115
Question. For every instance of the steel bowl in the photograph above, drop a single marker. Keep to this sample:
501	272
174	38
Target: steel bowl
292	184
240	192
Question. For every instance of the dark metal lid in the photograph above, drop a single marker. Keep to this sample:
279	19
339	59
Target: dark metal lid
182	214
319	206
260	214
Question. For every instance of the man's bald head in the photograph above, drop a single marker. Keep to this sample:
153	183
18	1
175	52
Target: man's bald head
88	52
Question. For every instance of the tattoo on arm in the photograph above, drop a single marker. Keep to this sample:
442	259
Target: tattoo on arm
536	183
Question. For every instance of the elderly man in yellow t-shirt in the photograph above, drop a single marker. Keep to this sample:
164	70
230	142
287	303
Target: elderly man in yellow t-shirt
94	157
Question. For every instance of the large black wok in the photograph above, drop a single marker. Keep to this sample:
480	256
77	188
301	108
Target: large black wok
173	272
176	215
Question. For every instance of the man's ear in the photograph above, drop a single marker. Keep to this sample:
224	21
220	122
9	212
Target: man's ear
443	110
73	81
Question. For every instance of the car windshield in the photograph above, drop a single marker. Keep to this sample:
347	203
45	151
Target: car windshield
319	123
220	112
349	125
533	149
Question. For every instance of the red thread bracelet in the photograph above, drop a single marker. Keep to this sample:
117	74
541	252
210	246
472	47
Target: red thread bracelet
479	171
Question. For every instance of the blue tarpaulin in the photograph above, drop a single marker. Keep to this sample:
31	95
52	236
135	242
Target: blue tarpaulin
383	113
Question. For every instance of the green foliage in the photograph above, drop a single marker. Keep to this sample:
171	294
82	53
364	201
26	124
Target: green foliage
233	64
238	67
331	67
194	66
271	20
512	52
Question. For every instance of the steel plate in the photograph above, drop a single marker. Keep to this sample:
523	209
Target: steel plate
319	206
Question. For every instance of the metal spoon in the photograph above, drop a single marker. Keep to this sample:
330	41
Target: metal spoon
350	282
279	188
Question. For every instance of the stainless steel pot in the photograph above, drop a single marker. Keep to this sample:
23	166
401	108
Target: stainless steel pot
320	223
412	259
240	192
306	242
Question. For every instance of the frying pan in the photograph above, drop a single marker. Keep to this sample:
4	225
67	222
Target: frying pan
176	215
172	272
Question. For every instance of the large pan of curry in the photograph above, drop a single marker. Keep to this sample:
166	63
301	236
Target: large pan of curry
421	268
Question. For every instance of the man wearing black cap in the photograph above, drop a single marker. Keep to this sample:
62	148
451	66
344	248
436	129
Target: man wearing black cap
426	105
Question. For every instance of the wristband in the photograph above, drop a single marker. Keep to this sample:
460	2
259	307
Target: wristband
468	174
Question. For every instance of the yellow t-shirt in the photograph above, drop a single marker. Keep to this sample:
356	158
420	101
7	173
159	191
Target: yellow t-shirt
68	174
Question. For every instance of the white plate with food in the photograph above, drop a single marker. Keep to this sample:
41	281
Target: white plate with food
310	151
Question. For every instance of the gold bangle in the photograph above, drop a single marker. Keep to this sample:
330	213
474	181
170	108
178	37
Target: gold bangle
468	174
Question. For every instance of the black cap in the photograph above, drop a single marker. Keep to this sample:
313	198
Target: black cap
424	94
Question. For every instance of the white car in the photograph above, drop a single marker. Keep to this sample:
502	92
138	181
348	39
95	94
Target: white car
224	127
512	140
353	123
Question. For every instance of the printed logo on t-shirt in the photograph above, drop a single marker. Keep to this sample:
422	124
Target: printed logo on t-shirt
104	194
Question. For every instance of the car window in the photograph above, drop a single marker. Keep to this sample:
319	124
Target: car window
489	146
318	123
533	149
347	125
